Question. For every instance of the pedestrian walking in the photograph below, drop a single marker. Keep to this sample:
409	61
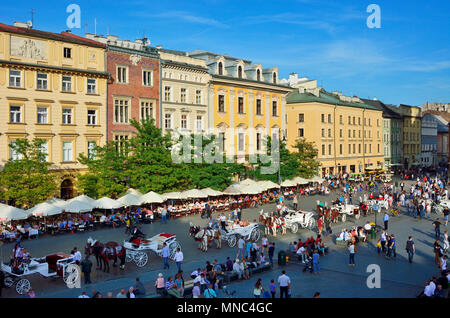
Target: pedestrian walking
179	258
273	288
437	251
285	284
316	260
383	240
437	228
165	253
271	253
164	215
391	246
86	266
241	248
386	220
410	249
352	250
445	247
319	225
258	289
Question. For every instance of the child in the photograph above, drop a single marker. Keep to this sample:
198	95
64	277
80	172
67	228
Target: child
379	246
273	288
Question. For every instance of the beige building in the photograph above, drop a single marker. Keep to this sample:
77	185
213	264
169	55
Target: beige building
346	132
412	131
184	82
52	87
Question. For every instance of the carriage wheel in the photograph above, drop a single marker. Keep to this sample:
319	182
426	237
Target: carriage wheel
128	257
141	259
173	249
71	274
23	286
232	241
9	281
255	235
311	223
344	217
294	228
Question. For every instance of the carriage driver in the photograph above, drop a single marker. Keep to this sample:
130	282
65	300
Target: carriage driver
135	236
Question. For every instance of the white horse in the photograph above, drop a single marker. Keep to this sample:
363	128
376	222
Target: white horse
205	236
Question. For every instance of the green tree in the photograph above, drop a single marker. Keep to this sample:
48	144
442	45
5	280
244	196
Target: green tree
27	181
306	155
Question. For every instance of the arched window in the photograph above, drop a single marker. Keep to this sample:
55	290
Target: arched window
240	71
258	75
67	189
220	68
274	78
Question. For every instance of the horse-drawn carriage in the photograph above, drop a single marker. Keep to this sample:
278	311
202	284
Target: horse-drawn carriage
54	265
347	209
382	204
294	219
233	233
136	251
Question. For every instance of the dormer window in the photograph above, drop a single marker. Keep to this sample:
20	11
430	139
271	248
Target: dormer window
258	75
274	78
220	66
239	71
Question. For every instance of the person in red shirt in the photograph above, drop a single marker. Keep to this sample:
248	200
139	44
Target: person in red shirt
320	225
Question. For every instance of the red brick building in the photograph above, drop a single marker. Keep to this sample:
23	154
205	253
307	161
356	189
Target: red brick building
134	86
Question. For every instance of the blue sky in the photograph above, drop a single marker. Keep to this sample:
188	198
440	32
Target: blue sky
406	61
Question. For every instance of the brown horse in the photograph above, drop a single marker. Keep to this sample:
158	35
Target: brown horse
105	252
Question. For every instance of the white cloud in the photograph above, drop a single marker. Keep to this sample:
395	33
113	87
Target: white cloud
184	16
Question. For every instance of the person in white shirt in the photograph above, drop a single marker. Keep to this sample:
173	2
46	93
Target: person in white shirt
76	256
83	295
238	268
285	284
131	293
179	258
301	252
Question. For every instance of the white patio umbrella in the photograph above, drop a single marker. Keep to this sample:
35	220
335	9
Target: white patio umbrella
152	197
252	189
317	179
248	182
78	207
211	192
288	183
232	190
130	199
300	180
269	184
10	213
57	202
194	194
45	209
83	198
135	192
107	204
172	196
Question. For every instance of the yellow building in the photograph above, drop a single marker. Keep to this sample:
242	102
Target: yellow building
346	132
412	132
52	87
246	103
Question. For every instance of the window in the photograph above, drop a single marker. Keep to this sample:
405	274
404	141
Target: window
349	133
301	118
120	141
42	115
274	108
359	148
329	133
323	133
91	149
92	86
349	149
329	118
359	121
274	77
354	133
354	148
323	118
258	75
146	110
121	111
220	67
198	97
199	123
239	71
241	142
329	150
340	133
183	95
167	93
258	141
258	107
15	78
168	121
184	121
221	103
92	117
147	78
370	148
44	150
222	140
122	77
349	120
354	121
240	105
67	83
340	149
13	154
67	53
323	150
341	120
301	132
67	151
42	81
67	116
15	114
378	148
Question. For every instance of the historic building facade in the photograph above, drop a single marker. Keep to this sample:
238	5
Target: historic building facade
246	103
184	89
52	87
412	126
429	141
134	86
346	131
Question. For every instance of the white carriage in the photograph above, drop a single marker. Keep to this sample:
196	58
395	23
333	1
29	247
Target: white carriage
348	209
294	219
382	204
54	265
234	232
138	253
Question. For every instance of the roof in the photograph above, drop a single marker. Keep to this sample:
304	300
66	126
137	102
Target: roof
387	112
63	36
217	77
443	119
175	52
324	97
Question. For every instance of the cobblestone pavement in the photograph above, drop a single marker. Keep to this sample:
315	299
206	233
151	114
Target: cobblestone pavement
337	279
